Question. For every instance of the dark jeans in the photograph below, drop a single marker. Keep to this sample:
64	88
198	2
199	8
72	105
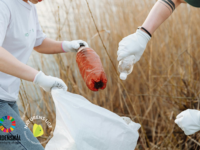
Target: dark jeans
10	109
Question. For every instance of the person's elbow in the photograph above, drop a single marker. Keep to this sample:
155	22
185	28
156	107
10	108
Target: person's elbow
38	48
1	49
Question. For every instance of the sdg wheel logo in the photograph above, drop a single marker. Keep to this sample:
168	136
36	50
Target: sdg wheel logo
12	120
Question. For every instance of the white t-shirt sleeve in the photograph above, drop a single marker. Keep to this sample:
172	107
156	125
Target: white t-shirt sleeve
40	36
4	21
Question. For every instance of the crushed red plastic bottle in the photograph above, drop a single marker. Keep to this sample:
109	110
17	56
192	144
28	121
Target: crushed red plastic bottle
91	69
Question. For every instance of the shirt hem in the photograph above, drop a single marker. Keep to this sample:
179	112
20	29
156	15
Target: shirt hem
5	99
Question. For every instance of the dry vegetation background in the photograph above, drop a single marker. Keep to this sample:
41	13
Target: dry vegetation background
163	83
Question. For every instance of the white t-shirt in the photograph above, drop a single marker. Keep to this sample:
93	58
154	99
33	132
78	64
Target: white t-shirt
20	32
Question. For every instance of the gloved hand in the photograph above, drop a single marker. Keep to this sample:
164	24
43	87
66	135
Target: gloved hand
73	46
189	121
134	44
48	82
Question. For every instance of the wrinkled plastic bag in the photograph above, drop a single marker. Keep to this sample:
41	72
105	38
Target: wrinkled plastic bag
81	125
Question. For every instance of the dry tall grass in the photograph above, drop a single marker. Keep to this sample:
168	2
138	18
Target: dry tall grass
164	82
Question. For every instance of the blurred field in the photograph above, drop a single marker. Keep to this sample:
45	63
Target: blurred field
164	82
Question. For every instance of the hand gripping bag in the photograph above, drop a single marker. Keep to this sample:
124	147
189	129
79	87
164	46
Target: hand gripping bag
81	125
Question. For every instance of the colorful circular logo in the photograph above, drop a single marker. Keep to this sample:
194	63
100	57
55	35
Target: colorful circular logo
2	128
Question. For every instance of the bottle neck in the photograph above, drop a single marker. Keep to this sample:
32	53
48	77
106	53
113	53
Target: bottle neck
81	48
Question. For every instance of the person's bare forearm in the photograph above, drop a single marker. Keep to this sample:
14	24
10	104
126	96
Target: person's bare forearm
12	66
49	46
159	13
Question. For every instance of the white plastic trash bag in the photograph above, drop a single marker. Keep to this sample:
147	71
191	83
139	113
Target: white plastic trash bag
81	125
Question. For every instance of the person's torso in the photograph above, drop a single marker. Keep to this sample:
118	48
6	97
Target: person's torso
19	41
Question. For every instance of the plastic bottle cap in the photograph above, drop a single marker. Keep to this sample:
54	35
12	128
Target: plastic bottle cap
123	76
81	48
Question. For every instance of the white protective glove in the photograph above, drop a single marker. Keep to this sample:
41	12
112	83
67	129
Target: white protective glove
189	121
73	46
134	44
48	82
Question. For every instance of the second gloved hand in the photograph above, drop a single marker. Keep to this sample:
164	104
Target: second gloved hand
73	46
189	121
134	44
48	82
